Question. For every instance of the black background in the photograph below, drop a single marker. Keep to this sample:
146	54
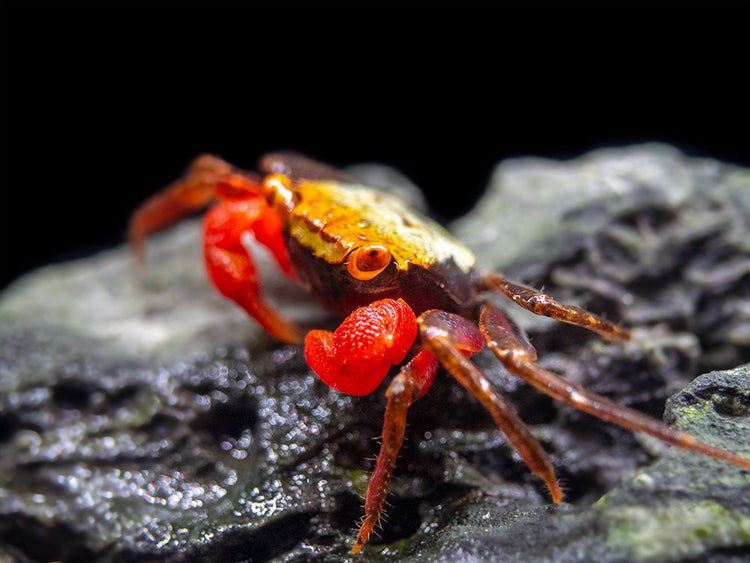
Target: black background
105	102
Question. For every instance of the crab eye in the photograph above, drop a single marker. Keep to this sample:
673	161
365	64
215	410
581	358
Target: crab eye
366	262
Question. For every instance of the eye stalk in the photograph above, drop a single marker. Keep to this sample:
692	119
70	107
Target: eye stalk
366	262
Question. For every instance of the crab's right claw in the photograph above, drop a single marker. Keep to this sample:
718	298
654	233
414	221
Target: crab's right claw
231	267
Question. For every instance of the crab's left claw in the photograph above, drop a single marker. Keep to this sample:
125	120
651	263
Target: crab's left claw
357	356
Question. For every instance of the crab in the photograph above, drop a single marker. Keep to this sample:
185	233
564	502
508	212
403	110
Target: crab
410	293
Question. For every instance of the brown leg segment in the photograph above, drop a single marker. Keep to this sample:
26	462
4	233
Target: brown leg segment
541	304
450	338
511	347
410	384
179	199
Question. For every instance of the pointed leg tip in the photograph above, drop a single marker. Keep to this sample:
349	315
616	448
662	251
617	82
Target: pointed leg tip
357	548
364	533
360	543
553	485
557	494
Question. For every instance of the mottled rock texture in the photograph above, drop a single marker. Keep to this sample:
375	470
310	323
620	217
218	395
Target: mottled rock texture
143	418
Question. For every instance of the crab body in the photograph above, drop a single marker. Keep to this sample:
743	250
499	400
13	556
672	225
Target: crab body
427	267
410	293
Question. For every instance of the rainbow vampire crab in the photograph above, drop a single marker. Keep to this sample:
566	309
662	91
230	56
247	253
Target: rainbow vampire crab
410	293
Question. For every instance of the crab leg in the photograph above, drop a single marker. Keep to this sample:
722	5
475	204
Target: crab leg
541	304
514	350
409	385
179	199
450	339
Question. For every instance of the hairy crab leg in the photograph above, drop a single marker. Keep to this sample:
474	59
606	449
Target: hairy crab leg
511	347
544	305
409	385
451	339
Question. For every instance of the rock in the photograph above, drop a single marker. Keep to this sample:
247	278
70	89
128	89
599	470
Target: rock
684	507
142	417
656	236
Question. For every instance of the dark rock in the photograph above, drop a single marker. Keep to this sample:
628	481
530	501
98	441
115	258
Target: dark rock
684	507
142	417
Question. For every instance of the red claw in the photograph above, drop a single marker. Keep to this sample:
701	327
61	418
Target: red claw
357	356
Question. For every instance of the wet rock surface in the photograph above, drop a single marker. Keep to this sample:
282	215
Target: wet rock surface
683	507
142	417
